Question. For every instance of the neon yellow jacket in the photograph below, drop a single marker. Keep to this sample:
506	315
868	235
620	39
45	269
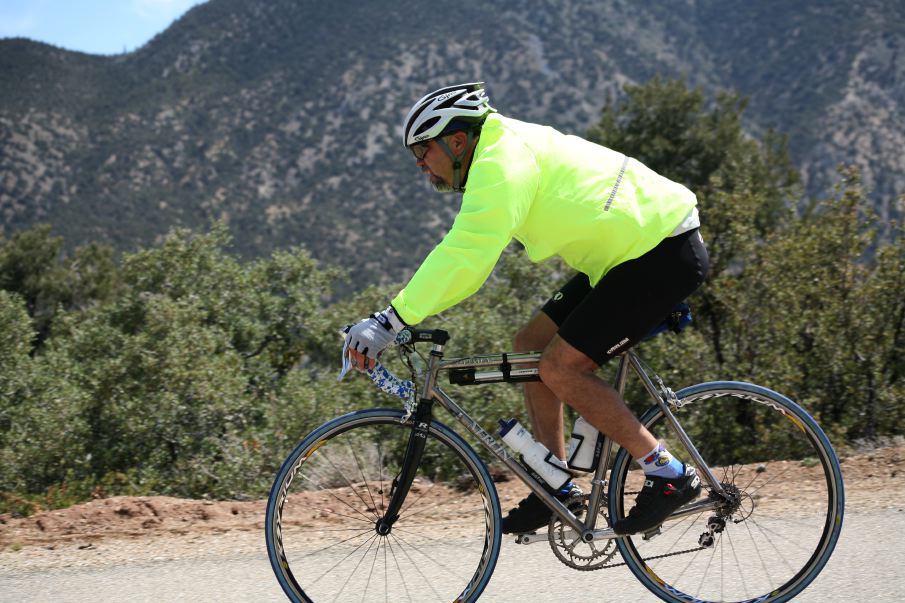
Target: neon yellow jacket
557	195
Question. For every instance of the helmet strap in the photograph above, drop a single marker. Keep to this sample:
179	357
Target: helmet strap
458	185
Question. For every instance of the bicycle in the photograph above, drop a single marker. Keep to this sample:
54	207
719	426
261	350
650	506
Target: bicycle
368	519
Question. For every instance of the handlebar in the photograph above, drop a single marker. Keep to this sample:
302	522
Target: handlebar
389	383
386	381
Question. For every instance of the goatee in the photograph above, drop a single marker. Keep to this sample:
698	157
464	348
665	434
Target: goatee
440	185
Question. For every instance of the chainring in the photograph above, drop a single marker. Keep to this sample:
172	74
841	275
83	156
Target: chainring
573	551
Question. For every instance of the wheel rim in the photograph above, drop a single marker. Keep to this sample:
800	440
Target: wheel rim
324	529
776	529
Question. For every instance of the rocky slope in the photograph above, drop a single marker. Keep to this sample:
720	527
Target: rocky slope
282	116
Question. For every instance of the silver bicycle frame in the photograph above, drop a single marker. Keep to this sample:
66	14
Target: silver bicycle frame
585	529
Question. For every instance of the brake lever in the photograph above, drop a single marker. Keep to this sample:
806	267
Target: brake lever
347	362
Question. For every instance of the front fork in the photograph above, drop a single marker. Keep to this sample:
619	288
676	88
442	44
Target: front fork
414	451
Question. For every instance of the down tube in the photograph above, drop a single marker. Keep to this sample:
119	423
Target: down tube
501	453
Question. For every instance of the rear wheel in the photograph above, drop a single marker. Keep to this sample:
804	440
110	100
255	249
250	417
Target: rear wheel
776	526
323	510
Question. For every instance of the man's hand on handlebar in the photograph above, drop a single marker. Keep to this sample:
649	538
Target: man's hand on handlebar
367	339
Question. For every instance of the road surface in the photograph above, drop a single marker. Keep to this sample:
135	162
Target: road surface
865	567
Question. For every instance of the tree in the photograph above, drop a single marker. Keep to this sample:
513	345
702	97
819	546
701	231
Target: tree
176	385
16	337
33	265
807	299
745	187
827	296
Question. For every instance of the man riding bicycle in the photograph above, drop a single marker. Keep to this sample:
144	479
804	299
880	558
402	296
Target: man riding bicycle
632	235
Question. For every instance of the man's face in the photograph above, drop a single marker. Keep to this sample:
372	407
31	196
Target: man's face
434	162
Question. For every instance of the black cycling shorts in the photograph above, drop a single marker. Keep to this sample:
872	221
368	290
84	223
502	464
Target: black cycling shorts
631	299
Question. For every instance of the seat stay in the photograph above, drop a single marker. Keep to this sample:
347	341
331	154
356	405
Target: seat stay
660	400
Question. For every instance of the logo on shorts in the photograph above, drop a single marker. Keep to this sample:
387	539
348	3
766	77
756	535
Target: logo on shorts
558	296
617	346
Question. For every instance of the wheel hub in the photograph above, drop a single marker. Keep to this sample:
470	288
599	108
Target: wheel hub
383	527
729	501
728	504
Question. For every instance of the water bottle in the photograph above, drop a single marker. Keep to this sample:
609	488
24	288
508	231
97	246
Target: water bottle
585	446
534	454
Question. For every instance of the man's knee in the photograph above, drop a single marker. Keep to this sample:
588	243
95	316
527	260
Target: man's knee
535	335
561	364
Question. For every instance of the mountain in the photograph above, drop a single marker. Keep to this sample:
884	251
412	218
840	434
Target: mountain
282	117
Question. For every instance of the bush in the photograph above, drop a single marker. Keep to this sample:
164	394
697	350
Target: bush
184	371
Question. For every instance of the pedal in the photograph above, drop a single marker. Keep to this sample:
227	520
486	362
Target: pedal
650	533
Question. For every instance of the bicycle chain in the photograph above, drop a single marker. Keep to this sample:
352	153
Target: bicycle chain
700	548
675	554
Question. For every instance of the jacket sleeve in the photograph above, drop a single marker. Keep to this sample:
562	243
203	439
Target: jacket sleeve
502	183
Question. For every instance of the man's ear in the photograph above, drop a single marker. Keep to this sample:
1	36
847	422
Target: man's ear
458	141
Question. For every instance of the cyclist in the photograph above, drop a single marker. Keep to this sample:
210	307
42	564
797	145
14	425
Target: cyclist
632	235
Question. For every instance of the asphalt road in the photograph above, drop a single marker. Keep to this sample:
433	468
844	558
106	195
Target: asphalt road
864	567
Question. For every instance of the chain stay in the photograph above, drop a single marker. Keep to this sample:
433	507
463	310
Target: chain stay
656	556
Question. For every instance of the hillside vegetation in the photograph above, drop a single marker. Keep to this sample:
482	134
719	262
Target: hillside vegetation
281	118
183	370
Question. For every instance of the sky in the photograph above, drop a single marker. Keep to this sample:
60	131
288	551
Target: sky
92	26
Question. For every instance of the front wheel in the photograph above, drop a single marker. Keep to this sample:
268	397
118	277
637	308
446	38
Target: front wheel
322	516
775	527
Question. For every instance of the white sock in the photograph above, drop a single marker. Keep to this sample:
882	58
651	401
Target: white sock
659	462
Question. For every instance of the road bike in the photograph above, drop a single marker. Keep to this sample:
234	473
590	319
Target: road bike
390	504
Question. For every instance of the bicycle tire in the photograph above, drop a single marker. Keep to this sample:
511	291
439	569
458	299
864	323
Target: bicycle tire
789	489
321	537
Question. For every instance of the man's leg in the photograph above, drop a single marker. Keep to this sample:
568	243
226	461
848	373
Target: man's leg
612	316
602	321
571	376
546	413
544	409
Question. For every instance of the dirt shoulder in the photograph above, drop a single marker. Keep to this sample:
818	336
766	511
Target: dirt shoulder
162	527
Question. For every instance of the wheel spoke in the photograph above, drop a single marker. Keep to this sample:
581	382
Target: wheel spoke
769	487
414	565
439	548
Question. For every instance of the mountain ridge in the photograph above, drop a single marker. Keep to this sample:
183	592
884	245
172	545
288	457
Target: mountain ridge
283	118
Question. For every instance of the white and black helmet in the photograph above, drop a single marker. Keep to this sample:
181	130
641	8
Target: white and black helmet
445	110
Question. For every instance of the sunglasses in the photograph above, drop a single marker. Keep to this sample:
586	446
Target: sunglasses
419	150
